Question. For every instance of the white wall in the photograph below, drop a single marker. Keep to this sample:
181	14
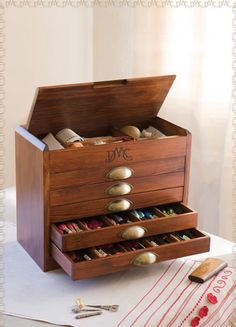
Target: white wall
44	46
113	31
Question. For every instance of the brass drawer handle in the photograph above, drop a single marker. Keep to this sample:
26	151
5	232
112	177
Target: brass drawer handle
121	172
133	232
119	189
144	259
119	205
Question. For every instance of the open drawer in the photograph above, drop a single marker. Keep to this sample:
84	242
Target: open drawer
123	226
91	262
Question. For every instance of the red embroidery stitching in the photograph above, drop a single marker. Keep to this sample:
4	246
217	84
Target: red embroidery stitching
221	281
219	306
153	301
184	304
155	311
195	322
212	298
148	292
203	312
198	302
223	313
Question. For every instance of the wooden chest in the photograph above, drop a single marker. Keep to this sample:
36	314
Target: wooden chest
56	186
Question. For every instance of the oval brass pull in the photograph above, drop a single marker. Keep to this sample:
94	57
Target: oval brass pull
119	205
144	259
120	173
133	232
119	189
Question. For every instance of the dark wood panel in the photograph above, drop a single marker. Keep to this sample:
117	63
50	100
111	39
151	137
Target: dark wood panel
108	155
99	207
91	175
32	198
91	108
113	234
90	192
120	262
187	167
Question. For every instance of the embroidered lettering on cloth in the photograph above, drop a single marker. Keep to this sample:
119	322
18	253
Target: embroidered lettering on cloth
175	301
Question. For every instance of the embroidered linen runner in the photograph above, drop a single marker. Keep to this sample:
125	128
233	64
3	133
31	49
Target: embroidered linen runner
173	300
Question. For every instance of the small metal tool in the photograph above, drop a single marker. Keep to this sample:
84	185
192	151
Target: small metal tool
87	315
81	305
77	310
112	308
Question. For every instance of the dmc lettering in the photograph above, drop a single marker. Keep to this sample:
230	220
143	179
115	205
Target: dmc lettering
118	153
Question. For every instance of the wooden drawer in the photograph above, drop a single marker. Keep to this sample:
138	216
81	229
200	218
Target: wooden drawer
100	207
134	230
108	155
117	262
99	174
90	191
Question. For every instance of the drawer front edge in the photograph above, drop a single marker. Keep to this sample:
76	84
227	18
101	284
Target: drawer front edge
108	265
99	207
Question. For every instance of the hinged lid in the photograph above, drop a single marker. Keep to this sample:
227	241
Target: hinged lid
91	108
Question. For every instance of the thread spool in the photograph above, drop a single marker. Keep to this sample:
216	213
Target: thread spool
67	137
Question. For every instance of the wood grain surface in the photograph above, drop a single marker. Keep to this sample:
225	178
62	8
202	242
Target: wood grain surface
99	207
112	234
32	198
108	155
101	266
99	175
90	109
88	192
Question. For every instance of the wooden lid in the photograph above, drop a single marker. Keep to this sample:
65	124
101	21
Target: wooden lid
92	108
